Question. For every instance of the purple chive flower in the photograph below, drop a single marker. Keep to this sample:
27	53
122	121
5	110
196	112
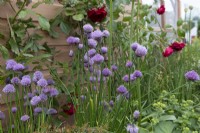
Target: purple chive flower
141	51
51	111
42	83
192	76
9	88
37	110
83	97
98	59
92	43
37	76
106	33
7	81
111	103
91	69
45	90
50	82
121	89
137	74
10	64
80	46
73	40
15	80
35	100
2	115
18	67
136	114
91	52
92	79
106	72
132	77
28	96
43	97
71	53
91	62
101	79
129	64
26	80
132	128
97	73
134	46
114	68
25	118
14	109
126	78
53	92
88	28
97	35
127	95
104	50
94	88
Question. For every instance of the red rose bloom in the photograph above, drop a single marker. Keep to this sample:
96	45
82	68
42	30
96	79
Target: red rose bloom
97	14
168	51
161	10
177	46
69	109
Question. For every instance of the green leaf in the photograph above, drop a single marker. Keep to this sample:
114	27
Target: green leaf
64	27
179	22
181	32
78	17
44	23
167	117
23	14
14	46
142	130
4	52
164	127
168	26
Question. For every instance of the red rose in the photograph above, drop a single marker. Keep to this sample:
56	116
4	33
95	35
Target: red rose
97	14
161	10
69	109
168	51
177	46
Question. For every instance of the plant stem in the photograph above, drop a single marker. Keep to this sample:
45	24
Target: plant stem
21	8
131	30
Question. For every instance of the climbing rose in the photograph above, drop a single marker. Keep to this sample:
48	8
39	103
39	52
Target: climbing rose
177	46
97	14
168	51
161	10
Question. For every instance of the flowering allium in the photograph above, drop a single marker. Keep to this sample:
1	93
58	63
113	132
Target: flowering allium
71	53
106	72
114	68
45	90
129	64
91	52
88	28
53	92
126	95
126	78
137	74
28	96
106	33
140	51
18	67
14	109
168	51
80	46
42	82
121	89
132	128
92	43
51	111
92	79
73	40
25	118
50	82
10	64
37	76
97	35
98	59
15	80
136	114
83	97
43	97
37	110
2	115
132	77
9	88
26	80
134	46
161	10
35	100
192	75
104	50
91	62
111	103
